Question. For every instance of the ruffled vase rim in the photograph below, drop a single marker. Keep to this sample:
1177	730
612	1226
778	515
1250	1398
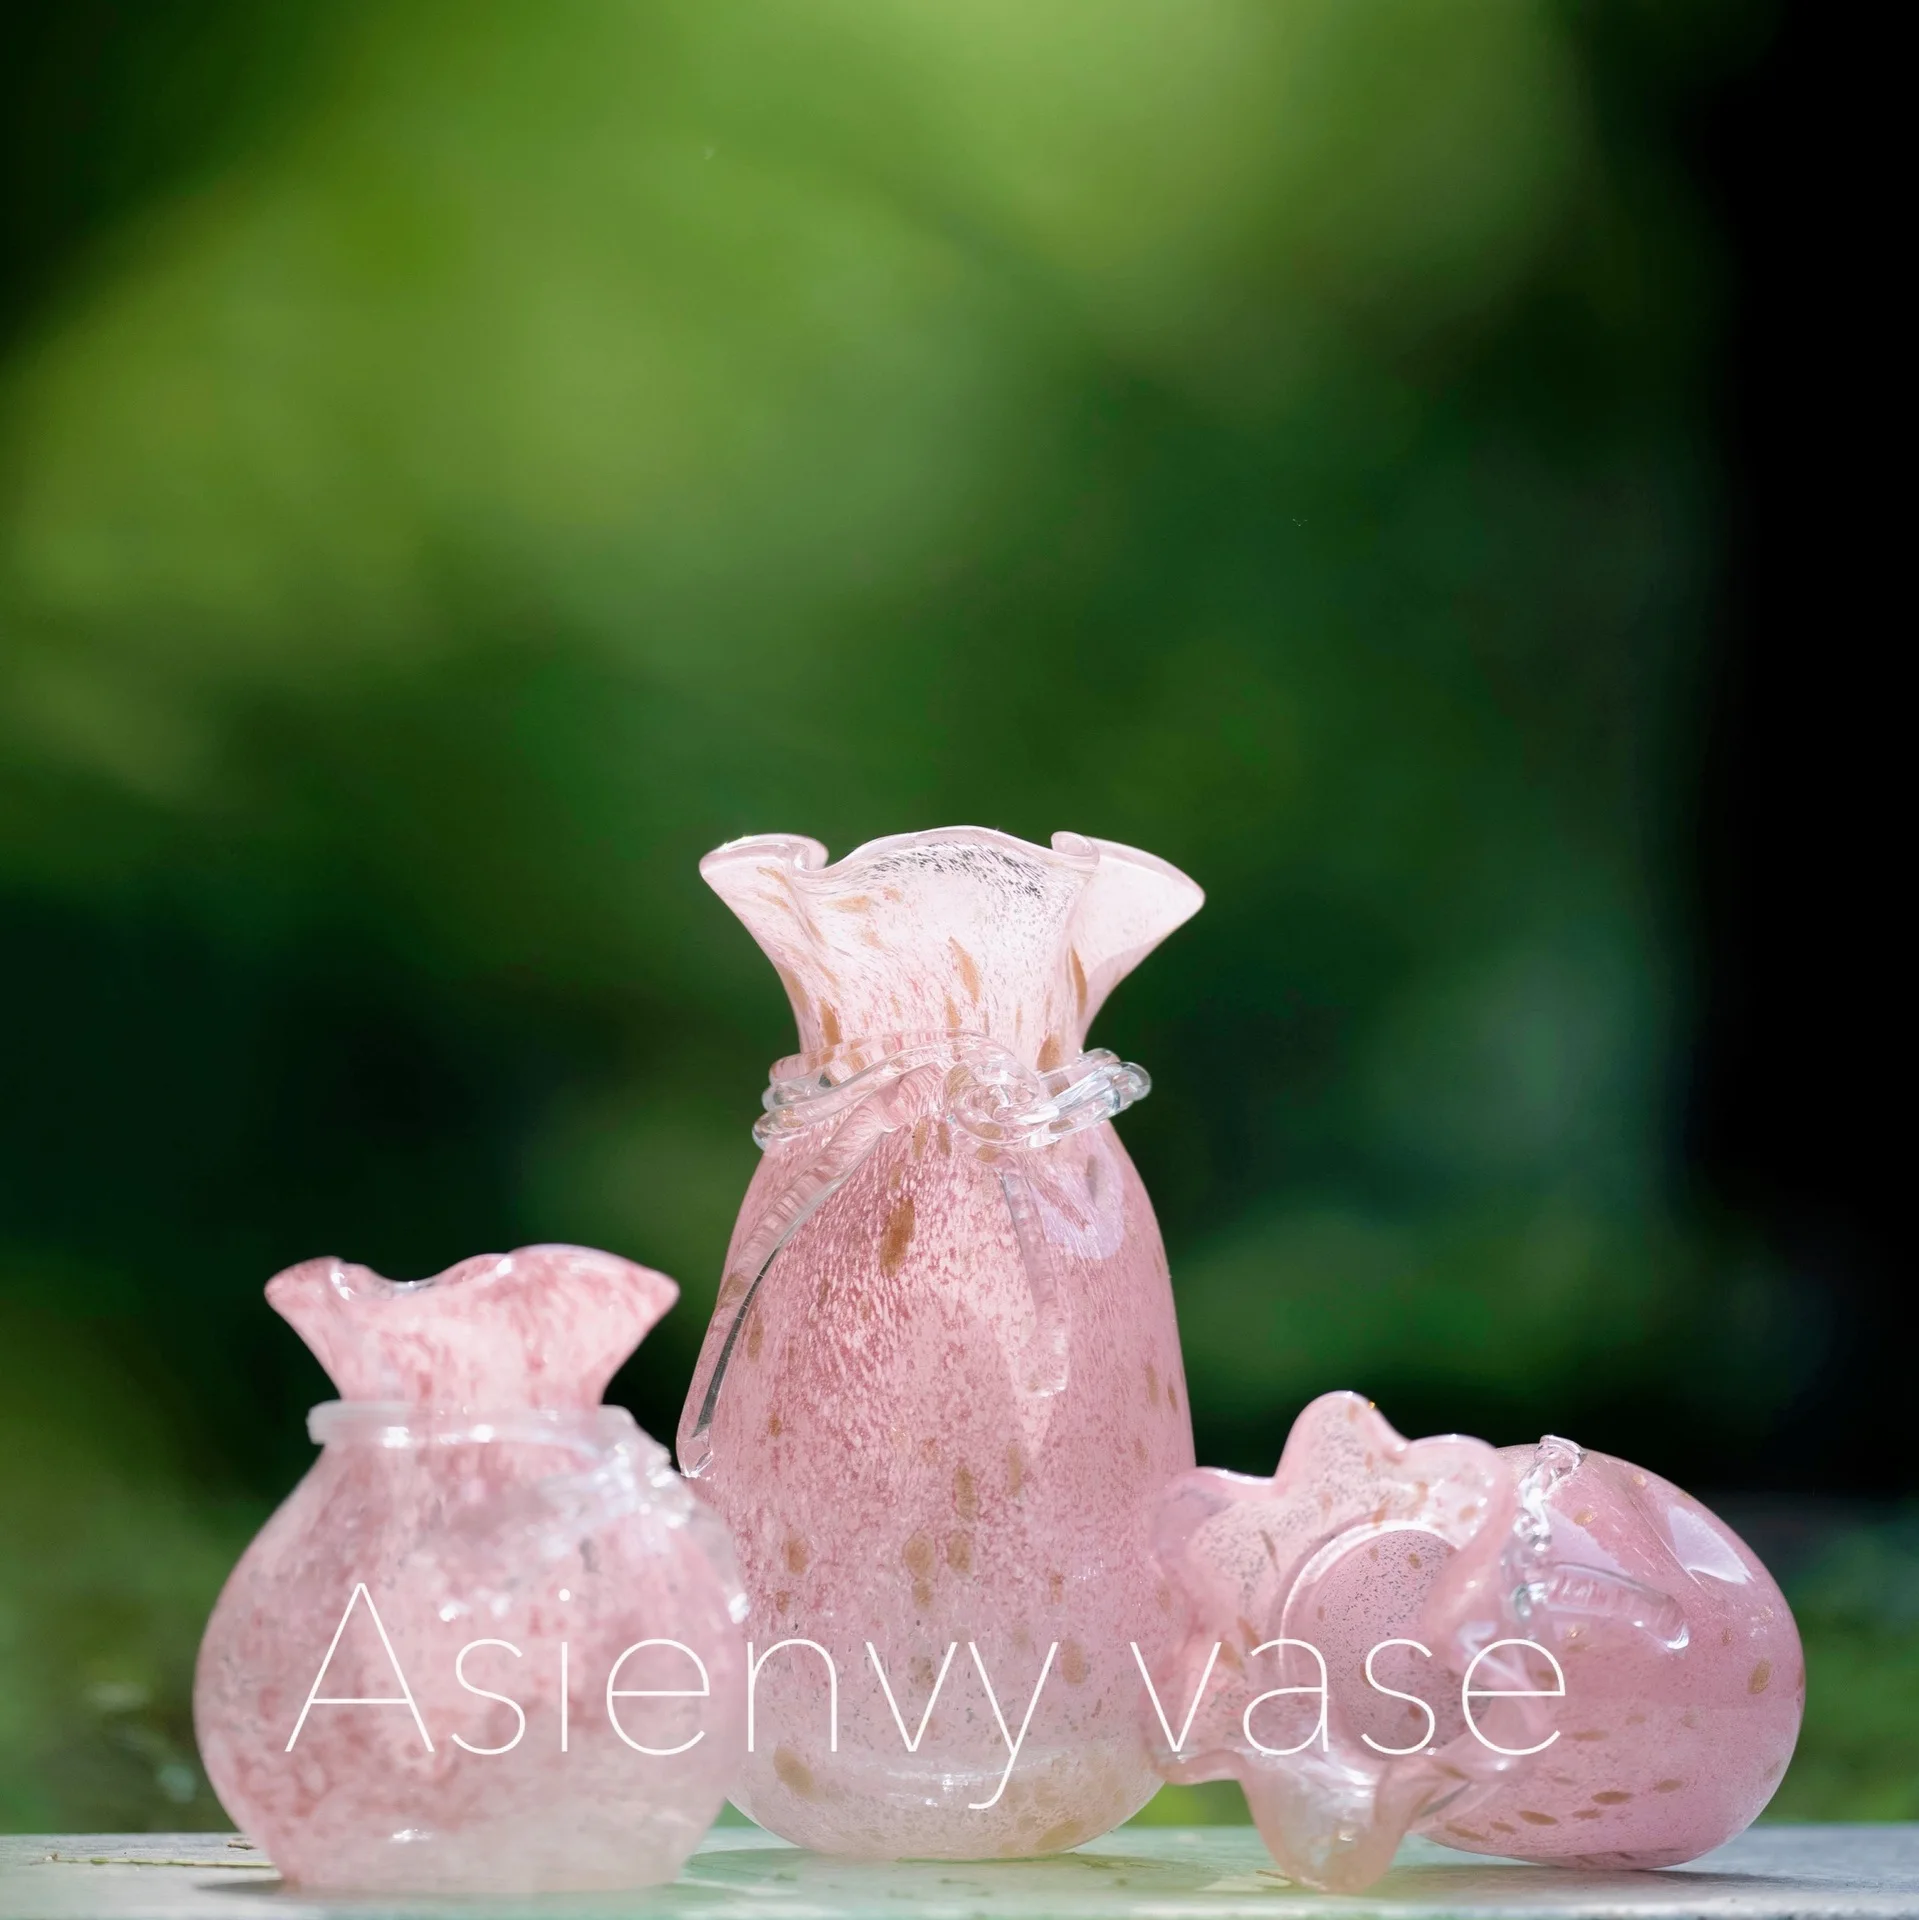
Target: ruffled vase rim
352	1280
806	861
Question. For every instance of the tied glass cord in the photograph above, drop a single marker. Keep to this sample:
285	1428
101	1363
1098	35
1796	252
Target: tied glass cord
1563	1593
1005	1113
616	1471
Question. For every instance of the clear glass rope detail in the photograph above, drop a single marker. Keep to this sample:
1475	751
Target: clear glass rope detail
1001	1110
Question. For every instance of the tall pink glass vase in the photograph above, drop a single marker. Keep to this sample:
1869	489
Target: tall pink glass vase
942	1385
491	1642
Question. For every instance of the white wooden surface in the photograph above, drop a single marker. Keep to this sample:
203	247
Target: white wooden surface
1771	1873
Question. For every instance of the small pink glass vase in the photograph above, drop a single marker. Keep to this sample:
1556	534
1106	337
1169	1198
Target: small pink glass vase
1538	1652
942	1384
491	1642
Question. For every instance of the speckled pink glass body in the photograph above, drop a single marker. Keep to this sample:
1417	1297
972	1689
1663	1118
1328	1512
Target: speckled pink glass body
1685	1679
473	1485
942	1384
1682	1673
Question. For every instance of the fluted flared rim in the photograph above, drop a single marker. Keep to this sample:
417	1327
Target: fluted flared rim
806	862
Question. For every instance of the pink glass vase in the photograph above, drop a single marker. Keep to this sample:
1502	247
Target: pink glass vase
491	1642
1571	1661
942	1383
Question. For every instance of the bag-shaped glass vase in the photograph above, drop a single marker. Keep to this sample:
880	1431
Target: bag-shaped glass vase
1542	1652
942	1384
491	1642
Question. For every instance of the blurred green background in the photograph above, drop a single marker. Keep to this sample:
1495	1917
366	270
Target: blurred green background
459	462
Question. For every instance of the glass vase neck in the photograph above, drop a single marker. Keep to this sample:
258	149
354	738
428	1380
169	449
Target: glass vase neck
541	1328
398	1425
959	930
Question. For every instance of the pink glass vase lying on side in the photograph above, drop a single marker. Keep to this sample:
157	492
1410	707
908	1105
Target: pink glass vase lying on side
942	1384
491	1642
1538	1652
